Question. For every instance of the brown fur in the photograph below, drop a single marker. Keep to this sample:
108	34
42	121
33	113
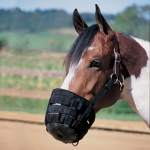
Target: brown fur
133	55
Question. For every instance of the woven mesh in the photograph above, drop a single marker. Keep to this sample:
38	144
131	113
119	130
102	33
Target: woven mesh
65	117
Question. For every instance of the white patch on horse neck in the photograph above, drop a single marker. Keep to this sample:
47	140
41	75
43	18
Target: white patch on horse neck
69	76
136	90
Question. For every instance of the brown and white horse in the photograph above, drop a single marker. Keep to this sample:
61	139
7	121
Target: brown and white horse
90	61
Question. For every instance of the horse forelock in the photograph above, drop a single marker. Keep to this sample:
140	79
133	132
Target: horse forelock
80	45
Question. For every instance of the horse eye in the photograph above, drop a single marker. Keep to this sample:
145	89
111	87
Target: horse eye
96	63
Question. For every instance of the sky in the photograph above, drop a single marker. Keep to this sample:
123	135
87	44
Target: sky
106	6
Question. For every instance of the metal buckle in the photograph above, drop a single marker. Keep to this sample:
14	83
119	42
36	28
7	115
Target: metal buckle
117	81
117	57
75	144
120	84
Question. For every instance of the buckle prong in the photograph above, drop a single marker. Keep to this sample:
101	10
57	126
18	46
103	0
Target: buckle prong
117	57
119	83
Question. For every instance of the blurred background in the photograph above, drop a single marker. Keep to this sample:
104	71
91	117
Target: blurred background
35	37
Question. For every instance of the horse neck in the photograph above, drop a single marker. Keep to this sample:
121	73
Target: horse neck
135	62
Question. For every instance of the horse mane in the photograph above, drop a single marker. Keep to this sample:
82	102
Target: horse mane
81	43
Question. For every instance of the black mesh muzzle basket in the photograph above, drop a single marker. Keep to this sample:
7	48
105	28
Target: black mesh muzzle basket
68	116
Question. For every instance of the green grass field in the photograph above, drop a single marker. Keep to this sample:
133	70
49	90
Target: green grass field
120	111
29	83
23	104
41	61
56	40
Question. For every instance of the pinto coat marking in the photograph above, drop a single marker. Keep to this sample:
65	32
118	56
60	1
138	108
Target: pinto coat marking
136	89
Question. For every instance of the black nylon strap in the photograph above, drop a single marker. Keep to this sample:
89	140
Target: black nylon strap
107	87
52	118
59	118
62	110
60	101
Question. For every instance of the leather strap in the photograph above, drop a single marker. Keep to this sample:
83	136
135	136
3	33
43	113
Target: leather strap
117	56
107	87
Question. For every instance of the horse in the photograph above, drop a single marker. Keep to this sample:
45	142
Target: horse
100	53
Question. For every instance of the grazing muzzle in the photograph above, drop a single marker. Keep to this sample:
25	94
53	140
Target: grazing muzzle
68	116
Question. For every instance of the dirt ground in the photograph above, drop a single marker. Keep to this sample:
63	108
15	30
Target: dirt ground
28	136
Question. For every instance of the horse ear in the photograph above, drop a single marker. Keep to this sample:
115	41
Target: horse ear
103	25
78	22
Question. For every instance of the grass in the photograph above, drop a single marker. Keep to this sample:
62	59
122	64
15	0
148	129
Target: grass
23	104
39	106
40	61
119	111
29	83
59	40
114	116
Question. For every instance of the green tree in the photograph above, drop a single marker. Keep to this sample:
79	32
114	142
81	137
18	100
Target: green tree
134	21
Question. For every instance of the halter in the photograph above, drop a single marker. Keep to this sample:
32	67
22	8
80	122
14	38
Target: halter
114	76
69	116
117	61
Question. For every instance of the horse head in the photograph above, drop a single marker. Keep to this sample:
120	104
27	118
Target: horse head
95	73
90	62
